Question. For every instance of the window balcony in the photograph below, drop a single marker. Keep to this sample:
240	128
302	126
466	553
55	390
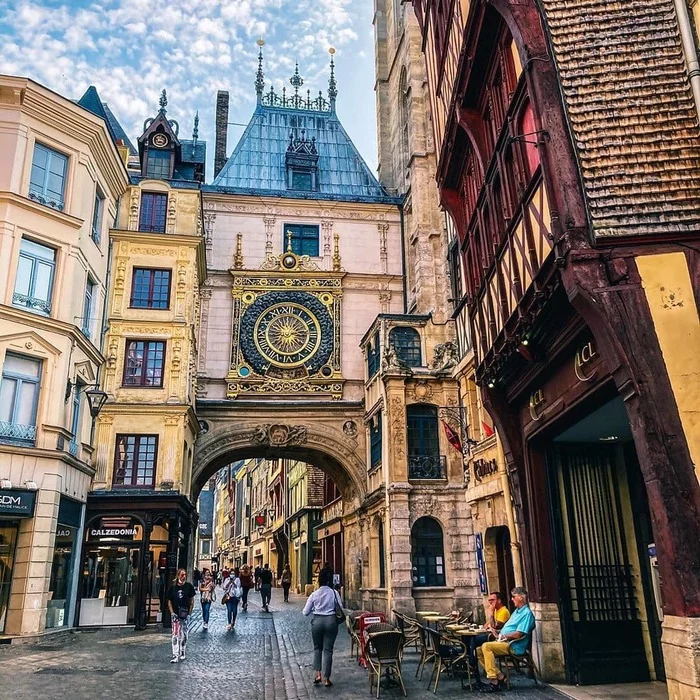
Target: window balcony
17	433
73	448
46	201
41	306
427	467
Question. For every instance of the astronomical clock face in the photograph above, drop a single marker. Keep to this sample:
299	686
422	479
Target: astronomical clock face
286	331
287	335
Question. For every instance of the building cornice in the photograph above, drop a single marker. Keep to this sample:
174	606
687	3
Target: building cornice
53	325
40	209
43	453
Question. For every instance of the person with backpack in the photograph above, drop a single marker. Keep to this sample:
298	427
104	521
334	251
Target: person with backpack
286	581
180	603
207	595
232	596
266	587
327	609
247	583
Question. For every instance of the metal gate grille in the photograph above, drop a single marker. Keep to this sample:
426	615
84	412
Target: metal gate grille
599	572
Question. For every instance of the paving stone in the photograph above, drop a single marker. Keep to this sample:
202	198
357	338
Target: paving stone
268	656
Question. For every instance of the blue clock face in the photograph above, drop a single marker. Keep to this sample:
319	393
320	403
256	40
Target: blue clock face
286	331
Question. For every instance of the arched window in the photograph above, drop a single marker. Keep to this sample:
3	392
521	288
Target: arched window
427	554
406	343
424	461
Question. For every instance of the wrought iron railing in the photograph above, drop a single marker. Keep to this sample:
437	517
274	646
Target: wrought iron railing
296	101
17	432
39	197
28	302
427	467
73	448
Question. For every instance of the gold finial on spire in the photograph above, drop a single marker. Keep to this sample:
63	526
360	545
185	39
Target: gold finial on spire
336	253
289	242
238	259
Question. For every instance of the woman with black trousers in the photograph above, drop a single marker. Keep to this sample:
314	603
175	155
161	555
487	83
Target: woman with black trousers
324	626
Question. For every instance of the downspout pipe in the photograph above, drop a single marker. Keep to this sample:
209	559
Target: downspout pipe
690	50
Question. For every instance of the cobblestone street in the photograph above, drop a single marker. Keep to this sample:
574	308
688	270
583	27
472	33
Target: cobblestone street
266	657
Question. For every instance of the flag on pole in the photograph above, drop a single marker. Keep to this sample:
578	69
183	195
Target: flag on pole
452	437
488	430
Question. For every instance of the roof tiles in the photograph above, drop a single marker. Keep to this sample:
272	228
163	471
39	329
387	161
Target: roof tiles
631	112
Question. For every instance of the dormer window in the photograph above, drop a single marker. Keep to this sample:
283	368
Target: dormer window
302	162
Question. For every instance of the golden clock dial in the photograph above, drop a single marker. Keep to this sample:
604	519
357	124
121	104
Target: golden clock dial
287	335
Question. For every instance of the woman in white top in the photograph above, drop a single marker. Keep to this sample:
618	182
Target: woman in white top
233	592
324	627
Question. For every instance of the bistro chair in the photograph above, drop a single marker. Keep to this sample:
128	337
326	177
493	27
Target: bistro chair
449	655
409	628
518	662
427	653
384	656
352	622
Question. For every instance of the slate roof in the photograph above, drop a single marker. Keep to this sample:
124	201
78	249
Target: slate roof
92	102
258	166
631	112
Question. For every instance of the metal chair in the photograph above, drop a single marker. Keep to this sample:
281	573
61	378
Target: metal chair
409	627
449	655
352	621
427	653
384	656
518	661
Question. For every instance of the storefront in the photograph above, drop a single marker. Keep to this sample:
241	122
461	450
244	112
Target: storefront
60	607
15	505
131	553
330	536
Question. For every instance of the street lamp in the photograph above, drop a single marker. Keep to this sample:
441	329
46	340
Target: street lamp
96	399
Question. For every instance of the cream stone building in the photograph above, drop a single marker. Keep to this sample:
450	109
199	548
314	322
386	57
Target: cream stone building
60	178
140	519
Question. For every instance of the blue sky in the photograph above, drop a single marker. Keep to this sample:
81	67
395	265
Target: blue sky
132	49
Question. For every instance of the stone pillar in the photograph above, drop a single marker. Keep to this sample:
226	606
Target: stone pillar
26	614
547	645
681	648
400	573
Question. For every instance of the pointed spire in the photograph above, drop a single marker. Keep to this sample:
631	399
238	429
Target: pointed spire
332	87
296	80
163	101
195	128
260	76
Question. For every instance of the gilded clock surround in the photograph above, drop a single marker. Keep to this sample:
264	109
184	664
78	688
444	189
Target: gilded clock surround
286	330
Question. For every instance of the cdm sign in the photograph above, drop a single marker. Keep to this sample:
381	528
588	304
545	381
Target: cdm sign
19	504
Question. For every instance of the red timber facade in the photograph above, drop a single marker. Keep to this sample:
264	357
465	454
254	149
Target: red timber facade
569	162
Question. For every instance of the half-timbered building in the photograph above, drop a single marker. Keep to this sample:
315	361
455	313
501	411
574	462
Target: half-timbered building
568	160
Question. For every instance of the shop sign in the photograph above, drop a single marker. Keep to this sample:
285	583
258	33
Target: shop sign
582	361
333	511
537	400
64	534
18	504
113	529
480	562
329	531
484	468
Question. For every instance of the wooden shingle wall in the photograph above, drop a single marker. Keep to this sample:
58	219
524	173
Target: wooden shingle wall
631	112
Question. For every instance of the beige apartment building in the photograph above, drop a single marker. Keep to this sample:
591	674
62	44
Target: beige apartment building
60	177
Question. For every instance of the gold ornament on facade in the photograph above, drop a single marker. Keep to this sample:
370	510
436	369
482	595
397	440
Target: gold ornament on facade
337	267
238	258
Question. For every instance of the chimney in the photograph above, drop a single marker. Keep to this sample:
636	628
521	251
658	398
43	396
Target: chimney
221	130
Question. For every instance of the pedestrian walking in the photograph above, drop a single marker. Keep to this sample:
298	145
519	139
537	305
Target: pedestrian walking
258	571
180	603
322	604
207	595
246	576
266	587
196	577
232	596
286	581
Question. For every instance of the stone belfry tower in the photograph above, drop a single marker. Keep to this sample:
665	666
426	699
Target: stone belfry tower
407	154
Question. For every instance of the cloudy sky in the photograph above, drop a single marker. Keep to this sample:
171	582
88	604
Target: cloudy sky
132	49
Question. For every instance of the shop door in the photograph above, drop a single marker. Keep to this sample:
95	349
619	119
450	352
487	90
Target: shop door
504	561
602	630
8	542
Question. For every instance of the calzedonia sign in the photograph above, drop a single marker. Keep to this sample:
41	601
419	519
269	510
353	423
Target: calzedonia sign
113	529
17	504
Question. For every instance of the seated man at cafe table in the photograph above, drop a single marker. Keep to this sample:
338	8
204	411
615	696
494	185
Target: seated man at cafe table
512	637
497	616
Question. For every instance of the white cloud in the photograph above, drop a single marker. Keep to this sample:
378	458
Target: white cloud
131	49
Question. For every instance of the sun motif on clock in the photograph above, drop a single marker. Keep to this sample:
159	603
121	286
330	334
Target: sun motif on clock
287	334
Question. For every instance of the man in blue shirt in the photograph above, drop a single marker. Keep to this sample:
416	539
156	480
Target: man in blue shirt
516	633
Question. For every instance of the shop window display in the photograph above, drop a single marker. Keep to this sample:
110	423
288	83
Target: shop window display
8	541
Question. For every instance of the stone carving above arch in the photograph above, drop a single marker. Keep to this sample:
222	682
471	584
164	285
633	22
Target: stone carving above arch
278	435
